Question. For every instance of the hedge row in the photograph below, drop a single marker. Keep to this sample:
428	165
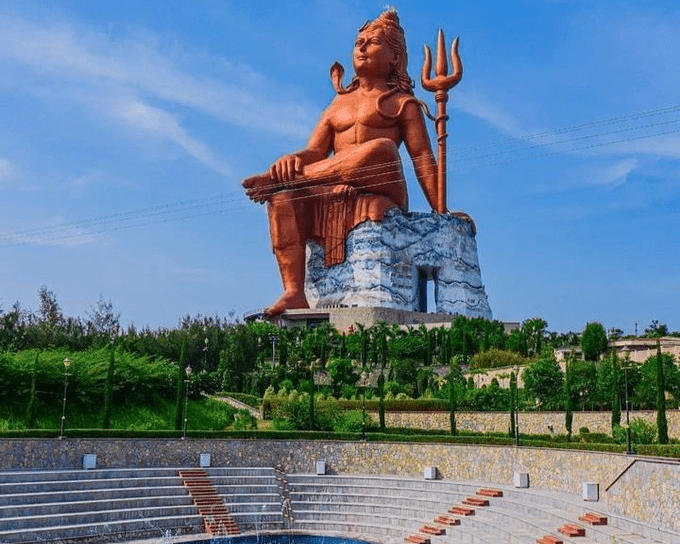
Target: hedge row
395	405
659	450
404	405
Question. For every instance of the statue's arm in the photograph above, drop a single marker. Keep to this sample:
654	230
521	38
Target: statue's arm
417	141
320	144
289	167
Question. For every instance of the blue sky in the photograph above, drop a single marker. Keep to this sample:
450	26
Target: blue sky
126	127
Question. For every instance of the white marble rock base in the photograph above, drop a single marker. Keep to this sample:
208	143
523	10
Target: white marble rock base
388	263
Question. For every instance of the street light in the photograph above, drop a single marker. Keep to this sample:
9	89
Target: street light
186	400
67	363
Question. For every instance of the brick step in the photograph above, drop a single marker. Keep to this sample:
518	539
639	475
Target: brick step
447	520
549	539
418	539
476	501
462	510
570	529
216	517
221	520
217	528
192	474
432	530
490	492
212	511
593	518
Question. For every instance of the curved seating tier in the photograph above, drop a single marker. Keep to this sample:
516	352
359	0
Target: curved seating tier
112	504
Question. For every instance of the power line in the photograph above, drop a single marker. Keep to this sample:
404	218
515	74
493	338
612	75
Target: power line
235	200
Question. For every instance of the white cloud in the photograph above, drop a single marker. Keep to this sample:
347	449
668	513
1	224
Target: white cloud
615	175
130	74
477	107
7	170
157	121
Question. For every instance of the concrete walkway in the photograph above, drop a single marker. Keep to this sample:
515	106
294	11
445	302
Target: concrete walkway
257	414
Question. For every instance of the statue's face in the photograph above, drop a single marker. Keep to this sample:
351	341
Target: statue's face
372	56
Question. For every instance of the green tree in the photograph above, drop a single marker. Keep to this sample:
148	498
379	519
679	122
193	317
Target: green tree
568	399
342	373
513	404
517	343
31	409
180	389
381	399
584	384
543	380
656	330
533	331
593	341
496	358
616	390
108	389
661	422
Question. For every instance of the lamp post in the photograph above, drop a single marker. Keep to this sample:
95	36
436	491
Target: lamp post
186	401
625	377
67	363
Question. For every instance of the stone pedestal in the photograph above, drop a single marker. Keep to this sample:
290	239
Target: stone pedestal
390	263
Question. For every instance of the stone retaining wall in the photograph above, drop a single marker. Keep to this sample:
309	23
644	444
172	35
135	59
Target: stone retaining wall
529	422
649	491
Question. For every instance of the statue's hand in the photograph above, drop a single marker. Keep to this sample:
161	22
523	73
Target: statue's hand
259	188
286	168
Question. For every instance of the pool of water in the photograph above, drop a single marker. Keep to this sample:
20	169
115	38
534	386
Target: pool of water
279	539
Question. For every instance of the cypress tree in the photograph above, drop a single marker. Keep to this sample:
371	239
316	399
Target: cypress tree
616	401
661	422
568	401
32	400
381	401
181	376
452	403
108	389
312	415
513	403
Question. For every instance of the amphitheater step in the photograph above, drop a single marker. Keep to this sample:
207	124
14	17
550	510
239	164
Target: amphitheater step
432	530
476	501
549	539
570	529
462	510
446	520
216	517
485	492
418	539
593	519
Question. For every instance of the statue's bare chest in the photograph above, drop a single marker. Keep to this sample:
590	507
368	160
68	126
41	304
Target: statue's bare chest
359	114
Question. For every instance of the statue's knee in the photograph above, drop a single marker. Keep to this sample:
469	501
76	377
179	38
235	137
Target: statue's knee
384	147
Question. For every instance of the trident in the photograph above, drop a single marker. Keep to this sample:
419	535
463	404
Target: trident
440	85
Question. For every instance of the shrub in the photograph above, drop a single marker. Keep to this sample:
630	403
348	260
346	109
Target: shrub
281	424
641	432
352	422
244	420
